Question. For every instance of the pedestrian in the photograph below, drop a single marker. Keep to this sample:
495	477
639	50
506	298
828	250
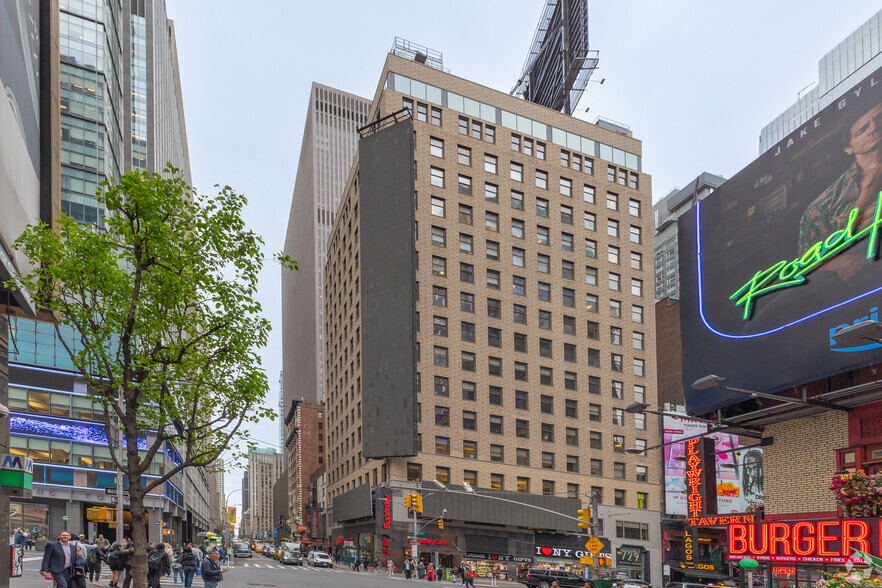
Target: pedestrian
158	565
128	554
407	569
493	574
29	540
102	542
390	565
188	565
177	568
59	558
212	574
469	577
19	539
430	573
94	557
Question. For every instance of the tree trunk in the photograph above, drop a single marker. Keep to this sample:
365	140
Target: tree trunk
136	501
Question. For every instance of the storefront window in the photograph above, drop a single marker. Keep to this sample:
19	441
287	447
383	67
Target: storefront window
33	518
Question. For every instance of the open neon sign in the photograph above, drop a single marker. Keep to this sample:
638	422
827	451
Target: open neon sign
786	274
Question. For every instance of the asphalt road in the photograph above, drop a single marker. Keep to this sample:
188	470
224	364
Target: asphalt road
263	572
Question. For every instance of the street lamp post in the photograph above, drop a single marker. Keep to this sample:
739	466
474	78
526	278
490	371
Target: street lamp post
226	538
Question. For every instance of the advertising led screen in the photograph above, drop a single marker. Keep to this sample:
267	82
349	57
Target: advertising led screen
784	255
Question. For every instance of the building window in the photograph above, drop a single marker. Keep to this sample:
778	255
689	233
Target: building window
439	237
492	250
590	275
519	285
569	353
517	200
573	463
619	497
568	271
476	129
442	445
590	248
494	337
540	150
566	242
464	185
439	326
548	432
437	177
594	413
468	361
490	134
542	207
635	234
439	296
618	389
640	421
612	228
545	319
547	460
515	142
541	179
467	331
470	476
570	380
494	308
637	314
517	257
463	125
636	261
619	445
639	367
590	221
469	420
546	376
566	188
442	416
519	314
614	281
491	221
637	340
544	292
470	449
593	385
521	400
436	146
546	404
642	474
522	429
497	481
436	116
572	436
468	391
494	365
517	229
489	163
466	273
465	214
548	487
591	302
593	358
439	266
414	472
618	417
615	308
595	440
440	356
612	201
634	207
639	394
520	371
497	453
466	302
442	386
636	287
596	467
516	172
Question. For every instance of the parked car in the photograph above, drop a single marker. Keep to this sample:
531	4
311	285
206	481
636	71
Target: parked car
291	557
686	585
539	578
319	559
241	550
634	583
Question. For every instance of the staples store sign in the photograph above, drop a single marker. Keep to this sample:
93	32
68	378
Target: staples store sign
826	541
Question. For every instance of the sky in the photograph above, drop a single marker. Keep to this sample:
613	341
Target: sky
695	81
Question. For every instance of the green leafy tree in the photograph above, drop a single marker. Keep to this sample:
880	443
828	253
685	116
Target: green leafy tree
162	305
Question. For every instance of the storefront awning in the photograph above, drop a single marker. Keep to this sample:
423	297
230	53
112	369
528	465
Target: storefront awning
702	573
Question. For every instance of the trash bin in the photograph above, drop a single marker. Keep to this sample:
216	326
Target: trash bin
603	583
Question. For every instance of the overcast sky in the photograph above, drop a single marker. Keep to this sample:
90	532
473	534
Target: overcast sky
695	80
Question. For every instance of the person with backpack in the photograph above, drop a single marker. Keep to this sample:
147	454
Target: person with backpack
177	567
94	557
188	565
158	565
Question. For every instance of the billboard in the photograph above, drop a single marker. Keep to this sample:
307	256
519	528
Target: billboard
784	255
231	515
739	473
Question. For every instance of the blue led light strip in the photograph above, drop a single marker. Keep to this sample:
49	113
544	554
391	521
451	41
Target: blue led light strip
764	333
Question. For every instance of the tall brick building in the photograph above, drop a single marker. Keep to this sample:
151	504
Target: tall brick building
488	317
305	450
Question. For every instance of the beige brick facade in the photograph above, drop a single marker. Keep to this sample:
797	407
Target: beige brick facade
798	467
563	387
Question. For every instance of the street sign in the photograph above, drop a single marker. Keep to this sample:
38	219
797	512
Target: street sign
113	491
594	545
113	499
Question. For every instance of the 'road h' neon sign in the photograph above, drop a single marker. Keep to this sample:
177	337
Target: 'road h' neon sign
786	274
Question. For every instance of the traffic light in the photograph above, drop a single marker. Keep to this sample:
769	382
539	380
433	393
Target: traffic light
414	502
441	524
585	517
604	562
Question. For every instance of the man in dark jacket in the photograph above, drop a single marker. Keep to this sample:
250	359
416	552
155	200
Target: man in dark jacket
158	565
212	574
58	560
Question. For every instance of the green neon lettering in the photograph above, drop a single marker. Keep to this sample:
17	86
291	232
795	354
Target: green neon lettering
785	274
